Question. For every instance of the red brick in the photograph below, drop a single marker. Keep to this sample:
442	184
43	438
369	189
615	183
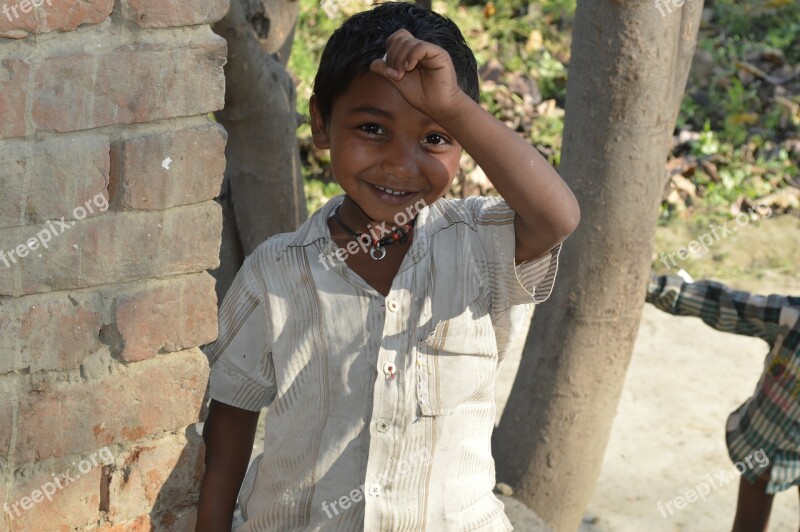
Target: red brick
167	471
168	168
162	394
115	247
47	333
51	15
14	94
172	317
133	84
47	179
59	331
77	501
166	13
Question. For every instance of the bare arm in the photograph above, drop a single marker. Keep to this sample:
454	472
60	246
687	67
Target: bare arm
546	210
228	434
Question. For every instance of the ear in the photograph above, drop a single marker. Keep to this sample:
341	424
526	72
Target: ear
319	130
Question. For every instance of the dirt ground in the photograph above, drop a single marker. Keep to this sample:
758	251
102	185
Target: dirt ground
683	381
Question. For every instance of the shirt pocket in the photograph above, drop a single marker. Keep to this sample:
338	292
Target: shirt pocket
457	362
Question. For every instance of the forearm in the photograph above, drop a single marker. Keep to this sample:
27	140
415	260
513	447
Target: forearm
546	210
544	204
700	299
228	434
720	307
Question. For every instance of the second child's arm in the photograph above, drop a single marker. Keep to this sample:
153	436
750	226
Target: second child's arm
546	210
228	434
720	307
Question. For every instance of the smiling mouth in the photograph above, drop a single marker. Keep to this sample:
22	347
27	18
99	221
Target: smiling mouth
394	192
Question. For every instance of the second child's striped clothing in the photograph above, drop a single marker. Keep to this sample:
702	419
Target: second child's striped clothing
770	419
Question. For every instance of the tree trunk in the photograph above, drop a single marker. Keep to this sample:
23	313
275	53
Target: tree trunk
263	190
273	22
627	75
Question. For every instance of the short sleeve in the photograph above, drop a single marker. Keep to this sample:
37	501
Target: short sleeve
242	373
510	284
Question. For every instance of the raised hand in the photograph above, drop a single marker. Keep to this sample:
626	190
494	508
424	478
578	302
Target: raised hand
422	72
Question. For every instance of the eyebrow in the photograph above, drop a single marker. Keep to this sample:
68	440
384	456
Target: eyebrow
381	113
372	111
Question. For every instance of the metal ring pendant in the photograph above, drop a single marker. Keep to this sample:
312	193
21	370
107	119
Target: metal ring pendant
377	253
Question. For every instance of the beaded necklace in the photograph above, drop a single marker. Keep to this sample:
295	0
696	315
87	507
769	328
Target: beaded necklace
377	246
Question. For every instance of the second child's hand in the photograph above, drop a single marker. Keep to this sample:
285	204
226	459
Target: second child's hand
422	72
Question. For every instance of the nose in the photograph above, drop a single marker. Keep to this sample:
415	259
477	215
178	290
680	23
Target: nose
401	158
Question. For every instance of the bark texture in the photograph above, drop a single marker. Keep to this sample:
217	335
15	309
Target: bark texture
627	75
263	190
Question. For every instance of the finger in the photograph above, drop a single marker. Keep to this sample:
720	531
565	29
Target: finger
419	52
397	41
398	53
383	67
380	67
396	36
406	53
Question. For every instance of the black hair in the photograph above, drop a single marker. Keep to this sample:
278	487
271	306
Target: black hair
362	39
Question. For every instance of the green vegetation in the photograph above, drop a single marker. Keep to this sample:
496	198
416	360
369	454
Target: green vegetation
739	122
744	99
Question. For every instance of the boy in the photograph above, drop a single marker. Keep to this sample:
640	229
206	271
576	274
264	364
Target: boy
374	331
770	419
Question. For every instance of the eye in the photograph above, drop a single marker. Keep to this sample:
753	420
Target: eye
435	139
372	129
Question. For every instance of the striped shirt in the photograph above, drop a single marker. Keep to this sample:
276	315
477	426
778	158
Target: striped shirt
381	409
770	419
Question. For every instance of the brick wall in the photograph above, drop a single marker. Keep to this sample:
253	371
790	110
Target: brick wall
108	169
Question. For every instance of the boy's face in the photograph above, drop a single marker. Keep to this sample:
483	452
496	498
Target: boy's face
378	140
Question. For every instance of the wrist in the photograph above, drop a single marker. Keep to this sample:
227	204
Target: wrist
655	286
460	107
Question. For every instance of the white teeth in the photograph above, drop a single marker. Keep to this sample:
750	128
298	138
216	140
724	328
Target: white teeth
390	191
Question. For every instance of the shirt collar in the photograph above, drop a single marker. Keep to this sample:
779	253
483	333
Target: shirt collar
431	219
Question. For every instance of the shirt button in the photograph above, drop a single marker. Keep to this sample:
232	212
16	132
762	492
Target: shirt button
382	425
392	305
389	369
374	490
